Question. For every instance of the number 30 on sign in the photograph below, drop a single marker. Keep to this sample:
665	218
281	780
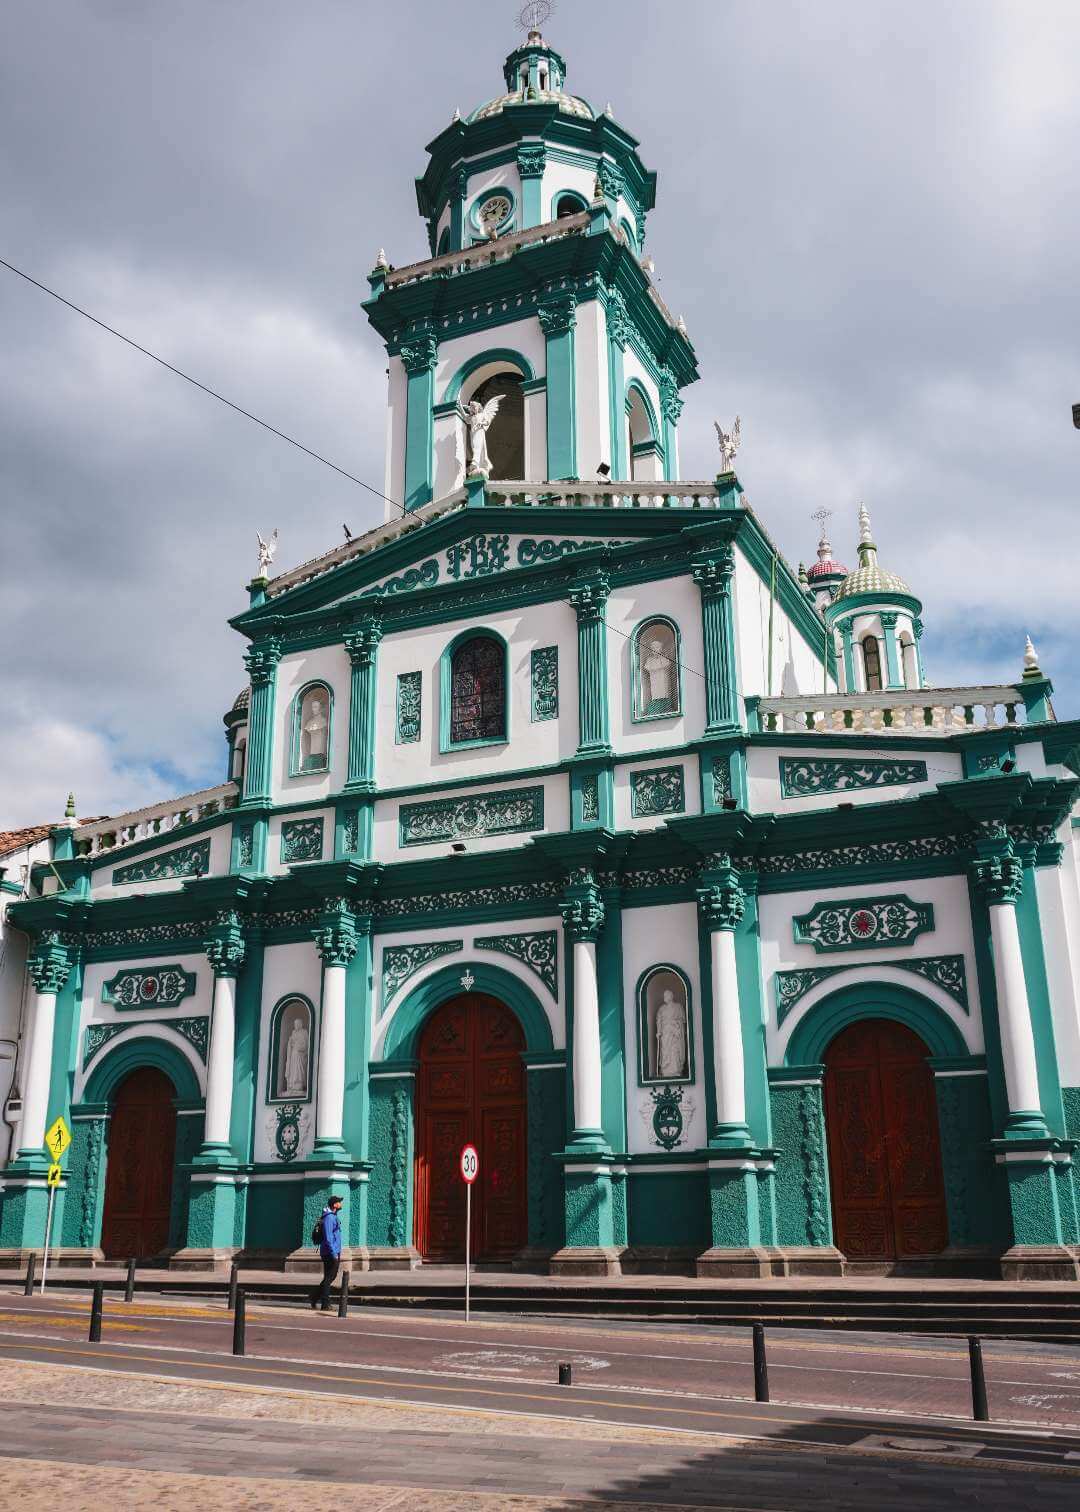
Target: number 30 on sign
470	1164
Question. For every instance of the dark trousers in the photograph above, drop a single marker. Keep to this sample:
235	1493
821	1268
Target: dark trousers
330	1267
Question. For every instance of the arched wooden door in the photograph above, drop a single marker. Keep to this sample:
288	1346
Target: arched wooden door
139	1167
471	1089
888	1196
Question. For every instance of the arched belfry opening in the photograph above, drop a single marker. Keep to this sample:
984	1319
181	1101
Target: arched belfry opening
506	436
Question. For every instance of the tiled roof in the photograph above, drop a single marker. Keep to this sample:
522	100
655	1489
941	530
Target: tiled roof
19	839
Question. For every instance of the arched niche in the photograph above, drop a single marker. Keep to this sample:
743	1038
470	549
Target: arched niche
290	1064
313	709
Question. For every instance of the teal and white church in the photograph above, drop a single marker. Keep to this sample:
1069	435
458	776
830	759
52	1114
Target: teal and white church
563	817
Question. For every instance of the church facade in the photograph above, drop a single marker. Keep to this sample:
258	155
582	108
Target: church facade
564	818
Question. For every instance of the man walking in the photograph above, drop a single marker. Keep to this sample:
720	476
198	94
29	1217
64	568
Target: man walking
328	1232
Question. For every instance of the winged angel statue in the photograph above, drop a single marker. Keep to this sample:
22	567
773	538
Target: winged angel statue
266	552
478	418
729	444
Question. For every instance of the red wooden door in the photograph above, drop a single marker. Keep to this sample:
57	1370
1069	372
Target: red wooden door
471	1088
139	1171
888	1196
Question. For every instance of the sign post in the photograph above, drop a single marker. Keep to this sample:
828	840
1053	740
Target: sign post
470	1169
56	1142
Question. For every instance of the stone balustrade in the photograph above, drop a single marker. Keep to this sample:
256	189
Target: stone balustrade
616	495
483	253
898	711
114	833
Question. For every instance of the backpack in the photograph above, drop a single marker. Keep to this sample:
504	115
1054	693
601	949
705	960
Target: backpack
316	1233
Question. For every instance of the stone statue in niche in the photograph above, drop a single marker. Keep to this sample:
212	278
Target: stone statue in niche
657	669
671	1060
315	729
294	1061
659	689
478	418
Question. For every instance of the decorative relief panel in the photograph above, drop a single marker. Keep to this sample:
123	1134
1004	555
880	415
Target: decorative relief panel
408	707
97	1037
946	972
590	798
801	777
400	962
539	951
657	791
721	779
666	1114
185	861
137	988
874	853
863	924
545	683
288	1126
473	817
301	840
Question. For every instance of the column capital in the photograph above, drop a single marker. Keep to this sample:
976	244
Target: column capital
224	944
335	936
721	895
557	313
618	318
589	596
1000	879
531	159
713	570
888	619
609	179
419	350
261	659
363	642
582	908
671	401
50	962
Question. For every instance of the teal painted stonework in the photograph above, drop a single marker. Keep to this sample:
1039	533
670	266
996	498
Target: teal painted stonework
863	923
408	707
85	1181
947	972
801	776
473	817
163	987
668	1208
211	1215
97	1036
872	853
660	790
590	1216
400	962
538	951
185	861
721	780
274	1215
1033	1200
189	1132
966	1128
301	840
734	1219
544	669
389	1192
546	1127
23	1213
590	799
619	1216
801	1181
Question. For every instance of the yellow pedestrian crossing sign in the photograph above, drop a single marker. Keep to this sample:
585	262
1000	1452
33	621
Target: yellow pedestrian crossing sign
57	1139
55	1173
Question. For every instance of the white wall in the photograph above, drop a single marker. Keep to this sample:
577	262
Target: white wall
328	664
796	669
679	599
591	381
219	837
763	772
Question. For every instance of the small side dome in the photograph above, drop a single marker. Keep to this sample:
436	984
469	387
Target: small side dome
869	576
242	699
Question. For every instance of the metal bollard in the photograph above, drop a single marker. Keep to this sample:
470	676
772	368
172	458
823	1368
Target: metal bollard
343	1300
31	1271
239	1323
980	1408
761	1366
234	1275
95	1312
565	1374
129	1289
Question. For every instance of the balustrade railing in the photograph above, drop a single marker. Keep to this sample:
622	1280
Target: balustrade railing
156	819
899	712
654	494
497	250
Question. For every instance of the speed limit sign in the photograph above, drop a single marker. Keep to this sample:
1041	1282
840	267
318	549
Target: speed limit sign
470	1164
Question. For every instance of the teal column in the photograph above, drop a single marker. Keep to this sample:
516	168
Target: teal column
892	658
531	160
713	574
418	353
917	627
362	645
847	637
609	963
589	598
246	1056
356	1120
261	661
672	405
558	317
618	330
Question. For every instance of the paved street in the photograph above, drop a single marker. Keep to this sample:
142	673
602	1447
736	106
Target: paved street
657	1415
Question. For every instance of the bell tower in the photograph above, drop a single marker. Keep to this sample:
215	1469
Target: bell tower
536	291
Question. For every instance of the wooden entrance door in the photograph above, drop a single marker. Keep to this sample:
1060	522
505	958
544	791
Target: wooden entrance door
888	1196
471	1089
139	1170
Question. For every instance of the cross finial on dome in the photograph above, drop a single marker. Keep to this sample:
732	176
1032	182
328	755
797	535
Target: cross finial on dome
824	549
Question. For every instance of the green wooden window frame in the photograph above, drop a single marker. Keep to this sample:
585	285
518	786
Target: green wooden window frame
277	1014
641	992
446	691
638	714
296	765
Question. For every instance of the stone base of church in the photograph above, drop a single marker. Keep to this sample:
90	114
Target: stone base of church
809	1260
587	1260
209	1261
19	1258
397	1257
534	1260
305	1259
1041	1262
659	1260
754	1260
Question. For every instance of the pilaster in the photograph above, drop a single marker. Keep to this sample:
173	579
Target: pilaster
893	672
671	403
557	314
262	662
713	572
418	354
589	596
531	160
618	331
362	646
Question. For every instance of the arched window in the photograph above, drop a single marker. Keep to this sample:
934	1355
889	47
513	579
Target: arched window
665	1032
568	203
312	713
474	692
239	756
506	434
630	234
292	1051
444	242
656	673
871	663
645	448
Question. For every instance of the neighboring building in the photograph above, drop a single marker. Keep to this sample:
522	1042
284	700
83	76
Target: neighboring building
563	818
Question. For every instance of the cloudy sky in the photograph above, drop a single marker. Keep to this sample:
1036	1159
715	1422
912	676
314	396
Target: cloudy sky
867	213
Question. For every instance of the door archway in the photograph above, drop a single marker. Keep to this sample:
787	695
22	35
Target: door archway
471	1089
888	1193
139	1168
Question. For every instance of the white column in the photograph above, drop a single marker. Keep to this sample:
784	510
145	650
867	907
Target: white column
330	1108
587	1064
728	1075
36	1078
219	1066
1014	1013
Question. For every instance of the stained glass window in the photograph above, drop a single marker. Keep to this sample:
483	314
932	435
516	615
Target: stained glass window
478	691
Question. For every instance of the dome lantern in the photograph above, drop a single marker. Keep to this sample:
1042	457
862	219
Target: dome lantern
874	617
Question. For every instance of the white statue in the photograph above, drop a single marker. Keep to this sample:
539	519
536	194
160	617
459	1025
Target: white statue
267	550
729	444
657	668
671	1037
296	1059
478	418
315	728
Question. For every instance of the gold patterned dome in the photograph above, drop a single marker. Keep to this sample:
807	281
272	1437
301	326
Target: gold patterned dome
568	104
869	576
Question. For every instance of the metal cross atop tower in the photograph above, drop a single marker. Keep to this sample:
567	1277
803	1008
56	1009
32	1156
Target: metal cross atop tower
821	515
532	16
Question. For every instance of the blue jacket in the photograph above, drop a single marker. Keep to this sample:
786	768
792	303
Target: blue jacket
330	1245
